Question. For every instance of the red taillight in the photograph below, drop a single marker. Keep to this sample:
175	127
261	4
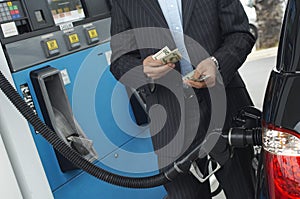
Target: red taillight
283	174
282	162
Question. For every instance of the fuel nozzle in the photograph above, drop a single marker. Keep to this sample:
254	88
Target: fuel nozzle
247	130
243	137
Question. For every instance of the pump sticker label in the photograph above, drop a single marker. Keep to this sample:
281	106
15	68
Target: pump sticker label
52	44
73	38
108	57
93	33
65	77
66	26
27	96
9	29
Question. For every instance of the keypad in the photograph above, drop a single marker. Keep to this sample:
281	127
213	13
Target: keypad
9	11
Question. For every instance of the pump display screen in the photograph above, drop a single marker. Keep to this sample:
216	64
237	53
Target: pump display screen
64	11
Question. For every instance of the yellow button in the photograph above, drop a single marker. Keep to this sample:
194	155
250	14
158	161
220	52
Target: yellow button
52	45
73	38
93	33
9	3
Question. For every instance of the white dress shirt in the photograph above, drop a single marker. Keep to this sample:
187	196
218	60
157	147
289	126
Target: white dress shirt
172	10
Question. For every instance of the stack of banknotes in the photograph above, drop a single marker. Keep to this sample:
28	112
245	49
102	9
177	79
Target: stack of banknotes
168	56
190	76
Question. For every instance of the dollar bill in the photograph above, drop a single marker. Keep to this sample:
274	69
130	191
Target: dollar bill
168	56
190	76
173	57
162	53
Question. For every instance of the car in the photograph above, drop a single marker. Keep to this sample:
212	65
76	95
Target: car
278	129
281	116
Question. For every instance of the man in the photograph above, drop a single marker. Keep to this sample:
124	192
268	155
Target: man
213	38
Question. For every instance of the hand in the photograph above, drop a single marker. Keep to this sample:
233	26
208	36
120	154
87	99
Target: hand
205	67
155	69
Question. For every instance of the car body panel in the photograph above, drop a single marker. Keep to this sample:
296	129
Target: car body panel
281	104
288	59
281	110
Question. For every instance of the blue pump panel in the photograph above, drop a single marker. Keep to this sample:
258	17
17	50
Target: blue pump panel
101	107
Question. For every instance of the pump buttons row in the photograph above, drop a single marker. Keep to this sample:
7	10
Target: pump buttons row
51	47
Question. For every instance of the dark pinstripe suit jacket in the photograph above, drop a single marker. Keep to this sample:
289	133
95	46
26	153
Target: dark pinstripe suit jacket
212	27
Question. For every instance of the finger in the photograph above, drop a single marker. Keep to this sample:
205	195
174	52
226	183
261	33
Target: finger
200	69
157	70
157	76
149	61
171	65
197	74
155	63
210	82
195	84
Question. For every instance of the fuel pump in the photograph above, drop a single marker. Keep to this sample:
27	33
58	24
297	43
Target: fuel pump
56	54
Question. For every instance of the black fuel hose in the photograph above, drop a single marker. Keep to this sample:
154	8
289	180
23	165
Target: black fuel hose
76	158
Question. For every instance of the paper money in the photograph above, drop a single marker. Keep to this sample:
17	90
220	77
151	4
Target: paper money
162	53
167	56
190	76
173	57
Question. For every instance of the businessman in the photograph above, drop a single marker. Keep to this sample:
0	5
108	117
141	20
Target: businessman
214	40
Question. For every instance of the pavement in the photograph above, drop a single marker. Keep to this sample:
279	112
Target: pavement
260	54
256	72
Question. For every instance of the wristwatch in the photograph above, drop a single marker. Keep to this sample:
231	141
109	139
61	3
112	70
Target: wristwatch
218	75
215	61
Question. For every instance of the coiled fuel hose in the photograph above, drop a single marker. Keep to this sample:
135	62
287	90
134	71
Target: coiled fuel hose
78	160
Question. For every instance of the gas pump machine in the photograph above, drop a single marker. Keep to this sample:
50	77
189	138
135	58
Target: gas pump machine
57	54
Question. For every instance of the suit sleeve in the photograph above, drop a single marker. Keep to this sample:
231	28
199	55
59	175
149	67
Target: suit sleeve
126	64
237	41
